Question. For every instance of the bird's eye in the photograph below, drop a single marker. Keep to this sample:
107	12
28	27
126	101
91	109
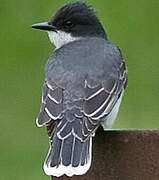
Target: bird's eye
68	24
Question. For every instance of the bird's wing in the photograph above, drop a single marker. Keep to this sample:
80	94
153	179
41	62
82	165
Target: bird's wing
100	97
51	107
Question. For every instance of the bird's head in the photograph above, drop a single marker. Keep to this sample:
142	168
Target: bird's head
71	22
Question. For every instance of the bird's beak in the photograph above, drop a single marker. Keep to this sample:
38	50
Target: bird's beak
44	26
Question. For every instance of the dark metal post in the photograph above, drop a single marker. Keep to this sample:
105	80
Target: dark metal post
123	155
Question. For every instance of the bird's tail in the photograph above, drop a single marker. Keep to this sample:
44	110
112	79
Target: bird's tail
69	156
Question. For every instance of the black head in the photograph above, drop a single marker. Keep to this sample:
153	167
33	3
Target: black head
76	18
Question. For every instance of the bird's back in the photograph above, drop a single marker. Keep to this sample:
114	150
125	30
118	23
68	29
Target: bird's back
91	58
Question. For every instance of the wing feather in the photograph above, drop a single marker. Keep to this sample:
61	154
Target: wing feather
101	97
51	107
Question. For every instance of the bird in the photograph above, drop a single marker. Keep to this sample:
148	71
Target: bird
85	78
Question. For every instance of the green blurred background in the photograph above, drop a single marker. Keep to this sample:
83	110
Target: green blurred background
132	25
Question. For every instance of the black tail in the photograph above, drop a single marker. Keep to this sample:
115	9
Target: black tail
69	156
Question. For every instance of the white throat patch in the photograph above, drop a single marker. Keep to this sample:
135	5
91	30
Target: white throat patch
60	38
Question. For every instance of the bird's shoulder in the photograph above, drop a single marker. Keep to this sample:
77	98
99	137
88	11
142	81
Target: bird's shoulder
92	53
91	57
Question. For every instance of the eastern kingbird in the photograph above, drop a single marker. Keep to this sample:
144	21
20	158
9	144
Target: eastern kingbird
85	80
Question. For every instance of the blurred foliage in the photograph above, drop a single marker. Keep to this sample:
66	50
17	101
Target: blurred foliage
132	25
